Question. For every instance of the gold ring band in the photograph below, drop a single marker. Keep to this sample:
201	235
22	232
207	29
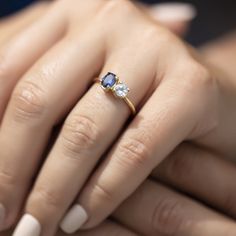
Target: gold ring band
111	82
130	105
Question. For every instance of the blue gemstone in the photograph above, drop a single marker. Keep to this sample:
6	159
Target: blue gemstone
109	80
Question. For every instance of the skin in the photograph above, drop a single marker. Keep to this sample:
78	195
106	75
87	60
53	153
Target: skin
190	124
14	24
155	209
221	52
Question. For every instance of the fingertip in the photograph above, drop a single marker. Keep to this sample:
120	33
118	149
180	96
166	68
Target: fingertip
28	226
75	218
172	12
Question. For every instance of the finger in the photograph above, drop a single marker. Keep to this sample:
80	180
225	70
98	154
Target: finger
202	174
157	210
90	128
106	228
20	53
33	112
145	143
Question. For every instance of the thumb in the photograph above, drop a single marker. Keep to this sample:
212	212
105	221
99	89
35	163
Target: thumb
175	16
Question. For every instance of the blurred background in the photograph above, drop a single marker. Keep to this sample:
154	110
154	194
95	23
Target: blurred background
215	17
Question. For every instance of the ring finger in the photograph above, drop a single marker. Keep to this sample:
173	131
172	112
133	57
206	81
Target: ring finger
90	128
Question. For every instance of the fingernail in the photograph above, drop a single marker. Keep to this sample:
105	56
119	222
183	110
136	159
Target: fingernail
173	12
74	219
2	215
28	226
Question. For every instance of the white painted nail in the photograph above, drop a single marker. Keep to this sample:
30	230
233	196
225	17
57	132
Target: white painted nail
173	12
28	226
74	219
2	215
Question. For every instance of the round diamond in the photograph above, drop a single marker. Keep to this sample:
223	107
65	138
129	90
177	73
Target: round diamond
121	90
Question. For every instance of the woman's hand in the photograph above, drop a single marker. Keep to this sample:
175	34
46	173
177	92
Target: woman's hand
177	96
155	209
106	228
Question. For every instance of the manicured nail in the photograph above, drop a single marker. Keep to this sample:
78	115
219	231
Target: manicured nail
28	226
74	219
173	12
2	215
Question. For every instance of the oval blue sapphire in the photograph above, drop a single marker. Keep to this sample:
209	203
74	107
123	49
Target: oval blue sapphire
109	80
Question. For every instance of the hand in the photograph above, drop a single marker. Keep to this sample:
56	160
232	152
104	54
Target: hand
109	227
164	73
155	209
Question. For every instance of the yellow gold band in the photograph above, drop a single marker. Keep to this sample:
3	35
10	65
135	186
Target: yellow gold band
130	105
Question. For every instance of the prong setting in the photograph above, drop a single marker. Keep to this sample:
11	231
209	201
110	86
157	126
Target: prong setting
111	83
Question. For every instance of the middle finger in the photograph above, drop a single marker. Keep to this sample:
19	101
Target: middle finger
90	128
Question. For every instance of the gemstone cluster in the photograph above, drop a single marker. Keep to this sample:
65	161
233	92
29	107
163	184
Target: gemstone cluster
111	82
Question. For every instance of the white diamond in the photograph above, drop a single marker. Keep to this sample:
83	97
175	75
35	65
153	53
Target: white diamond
121	90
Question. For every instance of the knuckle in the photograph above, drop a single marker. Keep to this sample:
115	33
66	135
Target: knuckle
156	37
46	197
162	40
79	134
120	5
7	178
165	38
167	217
117	9
134	152
199	78
103	193
28	101
201	73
